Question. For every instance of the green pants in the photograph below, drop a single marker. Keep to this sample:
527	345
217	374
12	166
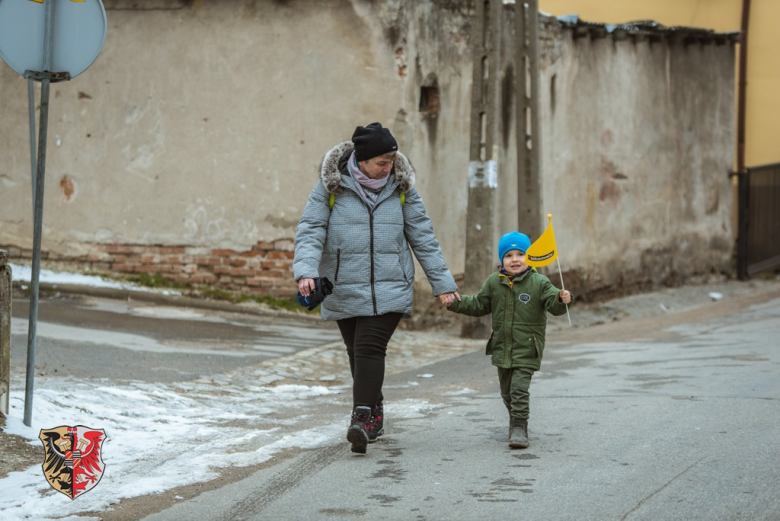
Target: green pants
514	391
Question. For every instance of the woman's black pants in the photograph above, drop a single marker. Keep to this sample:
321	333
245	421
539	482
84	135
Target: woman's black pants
366	339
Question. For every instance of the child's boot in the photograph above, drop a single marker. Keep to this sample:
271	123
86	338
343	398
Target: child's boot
518	434
359	429
377	423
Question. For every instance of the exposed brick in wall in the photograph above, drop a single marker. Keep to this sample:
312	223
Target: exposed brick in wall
265	269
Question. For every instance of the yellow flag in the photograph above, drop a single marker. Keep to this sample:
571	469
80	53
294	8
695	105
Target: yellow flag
543	251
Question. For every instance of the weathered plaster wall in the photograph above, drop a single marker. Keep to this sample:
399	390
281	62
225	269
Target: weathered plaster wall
190	147
201	124
637	144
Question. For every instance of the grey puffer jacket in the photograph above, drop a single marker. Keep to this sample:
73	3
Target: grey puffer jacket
364	253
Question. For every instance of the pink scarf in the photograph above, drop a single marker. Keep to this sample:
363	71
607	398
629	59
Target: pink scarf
374	186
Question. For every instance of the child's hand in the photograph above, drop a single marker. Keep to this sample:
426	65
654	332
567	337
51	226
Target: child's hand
448	298
564	296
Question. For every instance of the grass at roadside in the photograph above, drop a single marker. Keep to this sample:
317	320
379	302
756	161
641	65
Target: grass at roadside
158	281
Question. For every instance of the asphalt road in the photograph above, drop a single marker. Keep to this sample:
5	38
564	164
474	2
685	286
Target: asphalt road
95	337
669	417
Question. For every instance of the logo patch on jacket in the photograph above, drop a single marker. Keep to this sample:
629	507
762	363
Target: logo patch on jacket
525	298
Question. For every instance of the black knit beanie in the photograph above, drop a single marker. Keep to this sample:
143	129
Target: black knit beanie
373	140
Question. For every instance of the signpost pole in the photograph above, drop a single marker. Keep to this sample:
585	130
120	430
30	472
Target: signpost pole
80	34
38	211
33	168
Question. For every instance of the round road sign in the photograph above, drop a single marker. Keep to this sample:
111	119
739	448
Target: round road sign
78	35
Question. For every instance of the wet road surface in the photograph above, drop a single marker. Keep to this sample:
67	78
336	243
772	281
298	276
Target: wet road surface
669	417
95	337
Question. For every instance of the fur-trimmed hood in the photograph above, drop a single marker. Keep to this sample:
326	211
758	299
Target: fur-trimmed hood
330	172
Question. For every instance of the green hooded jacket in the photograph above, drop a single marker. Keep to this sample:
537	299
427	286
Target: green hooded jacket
519	316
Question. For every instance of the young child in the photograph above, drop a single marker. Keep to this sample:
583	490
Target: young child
517	297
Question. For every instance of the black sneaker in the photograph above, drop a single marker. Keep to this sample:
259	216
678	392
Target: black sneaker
377	423
359	429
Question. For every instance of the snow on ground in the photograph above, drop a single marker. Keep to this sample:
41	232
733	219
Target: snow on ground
162	436
23	273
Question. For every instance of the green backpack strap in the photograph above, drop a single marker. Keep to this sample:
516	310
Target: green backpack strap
332	200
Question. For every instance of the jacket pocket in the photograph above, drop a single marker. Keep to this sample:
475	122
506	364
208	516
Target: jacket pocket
538	348
407	265
489	345
338	263
403	271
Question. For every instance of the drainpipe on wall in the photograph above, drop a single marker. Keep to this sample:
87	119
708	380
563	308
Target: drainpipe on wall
742	185
743	55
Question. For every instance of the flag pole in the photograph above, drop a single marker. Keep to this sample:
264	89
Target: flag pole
563	289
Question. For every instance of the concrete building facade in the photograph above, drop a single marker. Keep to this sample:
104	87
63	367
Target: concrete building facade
189	148
763	67
637	146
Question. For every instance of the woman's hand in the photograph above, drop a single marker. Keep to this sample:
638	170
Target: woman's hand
448	298
306	286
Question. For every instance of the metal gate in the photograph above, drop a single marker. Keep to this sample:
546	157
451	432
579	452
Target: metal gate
758	242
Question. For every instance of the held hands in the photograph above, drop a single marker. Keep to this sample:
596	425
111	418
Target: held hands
448	298
564	296
307	286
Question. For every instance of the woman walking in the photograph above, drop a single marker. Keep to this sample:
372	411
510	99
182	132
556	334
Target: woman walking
356	230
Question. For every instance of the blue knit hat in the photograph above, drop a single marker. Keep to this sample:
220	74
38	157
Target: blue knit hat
512	241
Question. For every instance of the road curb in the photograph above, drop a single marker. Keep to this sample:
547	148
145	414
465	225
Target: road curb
168	300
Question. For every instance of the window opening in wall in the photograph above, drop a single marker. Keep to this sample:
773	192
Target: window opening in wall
429	99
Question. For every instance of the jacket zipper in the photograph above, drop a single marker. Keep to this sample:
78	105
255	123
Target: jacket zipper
371	227
338	263
510	324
